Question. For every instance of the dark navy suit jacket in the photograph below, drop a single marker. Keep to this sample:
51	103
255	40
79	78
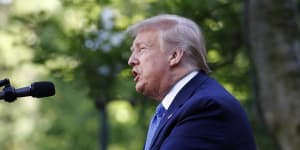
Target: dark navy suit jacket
204	116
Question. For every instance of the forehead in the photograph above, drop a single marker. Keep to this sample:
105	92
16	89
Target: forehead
147	37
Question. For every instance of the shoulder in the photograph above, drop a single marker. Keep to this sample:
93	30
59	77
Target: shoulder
208	92
210	96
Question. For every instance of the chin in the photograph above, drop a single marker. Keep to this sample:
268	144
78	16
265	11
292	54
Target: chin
139	89
142	91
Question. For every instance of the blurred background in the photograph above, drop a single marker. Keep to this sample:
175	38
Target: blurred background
80	45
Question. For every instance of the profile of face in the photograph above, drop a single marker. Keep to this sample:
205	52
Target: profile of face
150	65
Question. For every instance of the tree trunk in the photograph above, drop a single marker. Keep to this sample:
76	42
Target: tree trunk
101	105
273	36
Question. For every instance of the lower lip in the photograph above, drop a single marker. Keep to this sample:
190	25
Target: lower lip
136	78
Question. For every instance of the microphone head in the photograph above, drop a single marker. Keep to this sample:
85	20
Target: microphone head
42	89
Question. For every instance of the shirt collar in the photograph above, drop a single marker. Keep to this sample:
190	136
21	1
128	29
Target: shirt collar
168	99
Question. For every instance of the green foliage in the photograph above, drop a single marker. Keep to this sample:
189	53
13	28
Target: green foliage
66	121
84	51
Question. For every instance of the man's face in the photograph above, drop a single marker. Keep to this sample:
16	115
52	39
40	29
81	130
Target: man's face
150	64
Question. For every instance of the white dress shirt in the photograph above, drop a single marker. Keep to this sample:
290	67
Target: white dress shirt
168	99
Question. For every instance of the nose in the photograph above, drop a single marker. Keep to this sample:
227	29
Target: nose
132	60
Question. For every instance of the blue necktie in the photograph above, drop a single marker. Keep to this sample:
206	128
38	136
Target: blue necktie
154	124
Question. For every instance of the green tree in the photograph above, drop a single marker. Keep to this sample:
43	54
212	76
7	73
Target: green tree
81	46
274	42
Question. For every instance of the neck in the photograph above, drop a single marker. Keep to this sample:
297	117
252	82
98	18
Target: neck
175	75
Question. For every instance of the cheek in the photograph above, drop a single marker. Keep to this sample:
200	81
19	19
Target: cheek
153	65
154	70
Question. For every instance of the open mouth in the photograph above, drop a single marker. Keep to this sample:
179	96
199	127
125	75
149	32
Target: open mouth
135	75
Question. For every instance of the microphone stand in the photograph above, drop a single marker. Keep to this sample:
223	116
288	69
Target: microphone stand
8	93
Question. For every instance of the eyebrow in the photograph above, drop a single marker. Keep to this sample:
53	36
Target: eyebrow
136	45
140	44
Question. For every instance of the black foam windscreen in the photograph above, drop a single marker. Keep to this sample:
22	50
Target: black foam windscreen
42	89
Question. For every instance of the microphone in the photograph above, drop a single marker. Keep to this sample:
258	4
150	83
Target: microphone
36	89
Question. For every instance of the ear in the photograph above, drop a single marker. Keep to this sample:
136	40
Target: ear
175	56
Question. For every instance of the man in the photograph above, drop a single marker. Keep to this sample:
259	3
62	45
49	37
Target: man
195	112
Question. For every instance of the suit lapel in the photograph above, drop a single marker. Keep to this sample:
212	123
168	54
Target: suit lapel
183	95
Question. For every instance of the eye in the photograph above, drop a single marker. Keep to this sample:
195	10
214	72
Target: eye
142	49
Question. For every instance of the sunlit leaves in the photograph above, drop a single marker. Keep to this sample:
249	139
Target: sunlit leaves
122	112
22	7
214	25
73	19
242	61
213	56
126	73
62	67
